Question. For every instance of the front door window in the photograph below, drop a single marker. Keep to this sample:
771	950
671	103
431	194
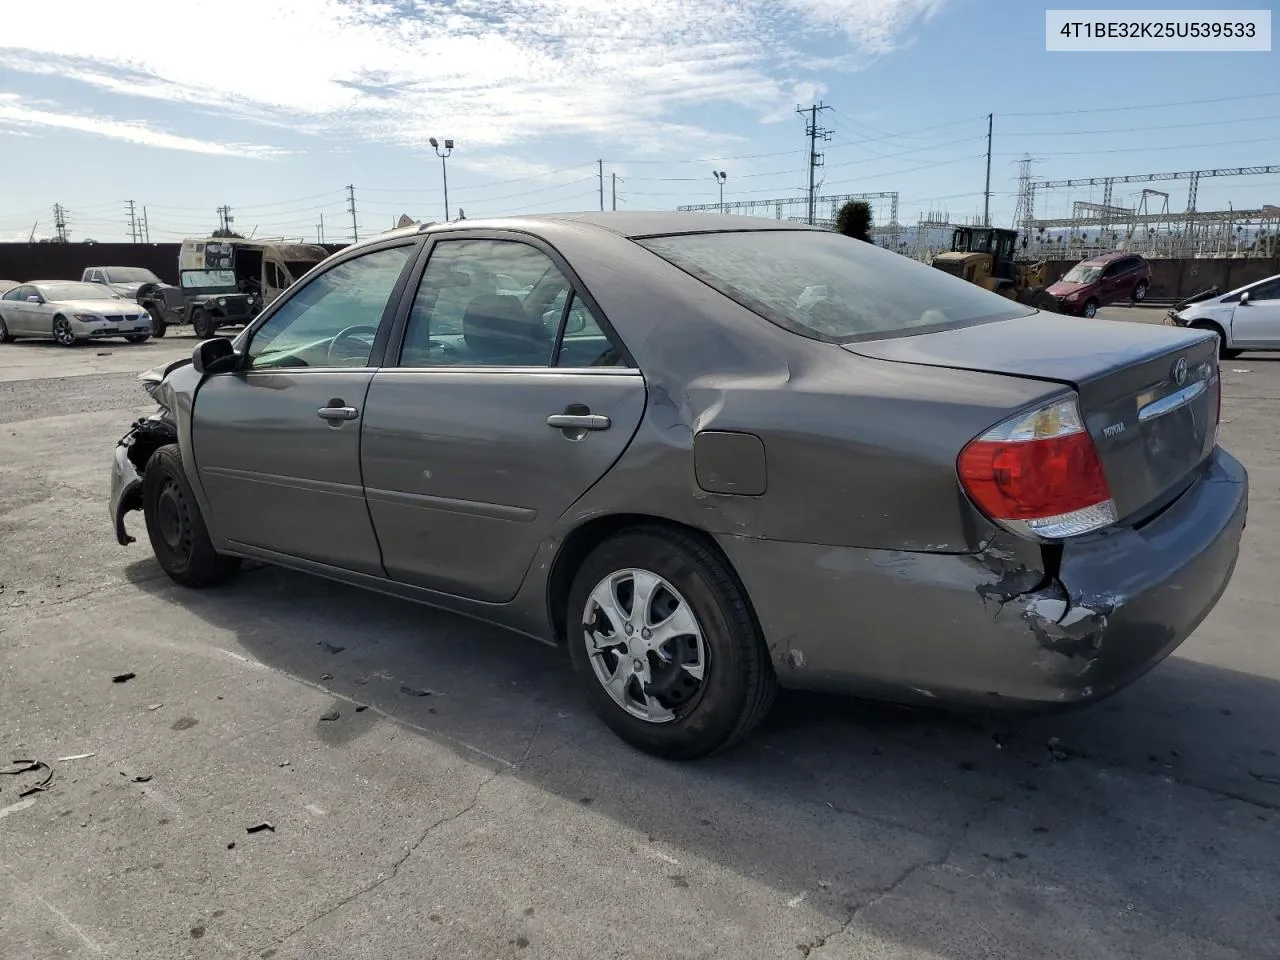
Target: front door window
332	320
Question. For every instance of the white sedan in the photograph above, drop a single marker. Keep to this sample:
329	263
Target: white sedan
68	311
1247	318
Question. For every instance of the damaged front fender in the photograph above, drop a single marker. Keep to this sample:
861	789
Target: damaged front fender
129	463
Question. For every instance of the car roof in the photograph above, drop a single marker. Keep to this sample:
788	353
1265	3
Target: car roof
1102	259
632	225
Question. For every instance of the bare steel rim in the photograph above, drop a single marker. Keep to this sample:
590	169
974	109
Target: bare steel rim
62	331
645	643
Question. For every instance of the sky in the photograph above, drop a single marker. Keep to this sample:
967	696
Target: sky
274	107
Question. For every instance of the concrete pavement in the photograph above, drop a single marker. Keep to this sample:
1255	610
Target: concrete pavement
465	803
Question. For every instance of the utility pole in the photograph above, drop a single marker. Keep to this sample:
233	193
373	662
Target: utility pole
60	222
225	219
721	177
813	132
320	229
986	202
351	197
601	165
133	221
146	226
615	190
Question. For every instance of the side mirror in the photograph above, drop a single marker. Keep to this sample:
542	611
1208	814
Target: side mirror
213	356
1244	299
35	299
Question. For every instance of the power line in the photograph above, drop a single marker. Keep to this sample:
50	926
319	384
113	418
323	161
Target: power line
1166	126
1145	106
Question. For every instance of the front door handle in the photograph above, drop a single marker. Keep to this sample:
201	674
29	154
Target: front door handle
579	421
337	413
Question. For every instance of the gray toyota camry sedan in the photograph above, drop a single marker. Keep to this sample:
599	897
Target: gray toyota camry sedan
711	455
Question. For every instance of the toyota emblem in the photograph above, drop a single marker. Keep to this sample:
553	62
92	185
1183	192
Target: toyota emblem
1180	371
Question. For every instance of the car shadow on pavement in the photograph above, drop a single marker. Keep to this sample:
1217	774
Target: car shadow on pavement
1162	803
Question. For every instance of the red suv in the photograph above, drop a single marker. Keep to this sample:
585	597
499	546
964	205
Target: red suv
1091	284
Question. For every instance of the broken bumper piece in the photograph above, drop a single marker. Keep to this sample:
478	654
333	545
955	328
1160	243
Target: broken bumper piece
126	488
980	630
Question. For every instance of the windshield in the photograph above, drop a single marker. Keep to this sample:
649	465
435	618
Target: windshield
77	291
829	286
1083	273
208	278
130	275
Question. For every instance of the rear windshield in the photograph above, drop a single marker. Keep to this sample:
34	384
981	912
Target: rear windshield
130	275
829	286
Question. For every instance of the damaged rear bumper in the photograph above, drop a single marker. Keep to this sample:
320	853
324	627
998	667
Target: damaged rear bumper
980	630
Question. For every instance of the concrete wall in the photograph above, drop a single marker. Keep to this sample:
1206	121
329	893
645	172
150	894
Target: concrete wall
1178	279
66	261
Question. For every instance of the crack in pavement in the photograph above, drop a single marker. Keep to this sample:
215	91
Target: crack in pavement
384	878
91	592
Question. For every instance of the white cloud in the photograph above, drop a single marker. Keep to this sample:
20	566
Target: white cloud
490	73
16	113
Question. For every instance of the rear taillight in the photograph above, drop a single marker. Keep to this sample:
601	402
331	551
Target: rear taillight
1038	474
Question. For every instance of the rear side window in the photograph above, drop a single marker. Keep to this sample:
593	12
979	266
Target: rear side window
831	287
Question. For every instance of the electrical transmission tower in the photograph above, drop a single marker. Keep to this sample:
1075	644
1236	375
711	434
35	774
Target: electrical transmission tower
60	222
133	221
1025	212
351	199
814	133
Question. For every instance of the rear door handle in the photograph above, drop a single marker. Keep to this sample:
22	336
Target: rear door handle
337	413
579	421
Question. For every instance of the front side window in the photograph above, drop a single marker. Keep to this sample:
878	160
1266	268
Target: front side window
830	287
1266	291
333	320
488	303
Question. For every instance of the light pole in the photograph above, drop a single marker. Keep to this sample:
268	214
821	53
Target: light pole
444	169
721	177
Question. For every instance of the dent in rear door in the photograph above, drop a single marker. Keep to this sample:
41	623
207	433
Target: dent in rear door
464	476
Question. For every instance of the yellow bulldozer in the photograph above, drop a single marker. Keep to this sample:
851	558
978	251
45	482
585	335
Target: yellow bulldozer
984	255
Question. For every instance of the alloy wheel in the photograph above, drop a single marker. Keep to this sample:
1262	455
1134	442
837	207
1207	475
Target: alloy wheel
1090	310
62	331
645	644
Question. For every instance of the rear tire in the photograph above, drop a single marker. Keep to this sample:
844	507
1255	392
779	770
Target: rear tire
175	527
710	678
202	323
5	335
1223	352
158	326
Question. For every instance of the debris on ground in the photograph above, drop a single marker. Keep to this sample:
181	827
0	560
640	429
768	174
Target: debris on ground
231	845
142	778
263	827
331	715
414	691
123	677
361	707
331	647
76	756
1055	749
19	767
155	706
326	676
284	763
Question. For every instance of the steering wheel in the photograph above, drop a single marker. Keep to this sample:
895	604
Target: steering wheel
349	334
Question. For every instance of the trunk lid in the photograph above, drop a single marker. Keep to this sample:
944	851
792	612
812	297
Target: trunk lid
1149	394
